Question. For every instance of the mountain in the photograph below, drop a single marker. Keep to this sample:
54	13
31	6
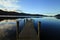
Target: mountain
10	13
16	13
58	15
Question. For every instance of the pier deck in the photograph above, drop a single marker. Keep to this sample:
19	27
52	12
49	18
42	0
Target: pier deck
28	32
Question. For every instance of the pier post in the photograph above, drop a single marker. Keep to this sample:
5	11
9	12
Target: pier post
39	25
24	21
17	30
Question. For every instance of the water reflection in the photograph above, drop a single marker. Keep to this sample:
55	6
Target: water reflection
7	28
49	30
57	17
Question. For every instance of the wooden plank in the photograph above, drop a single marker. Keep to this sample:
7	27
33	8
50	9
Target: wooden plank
28	32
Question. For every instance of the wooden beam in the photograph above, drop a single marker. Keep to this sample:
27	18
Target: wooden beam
17	30
39	25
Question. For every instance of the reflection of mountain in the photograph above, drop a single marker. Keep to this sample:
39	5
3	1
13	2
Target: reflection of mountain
57	17
16	13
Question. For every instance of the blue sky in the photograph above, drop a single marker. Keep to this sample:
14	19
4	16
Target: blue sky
49	7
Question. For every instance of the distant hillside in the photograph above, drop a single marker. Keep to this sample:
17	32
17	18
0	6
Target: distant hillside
10	13
58	15
16	13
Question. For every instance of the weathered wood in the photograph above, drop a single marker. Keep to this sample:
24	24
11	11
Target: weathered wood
39	25
28	32
24	21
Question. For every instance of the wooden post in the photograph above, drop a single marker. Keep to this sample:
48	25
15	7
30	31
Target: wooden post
17	30
24	21
39	25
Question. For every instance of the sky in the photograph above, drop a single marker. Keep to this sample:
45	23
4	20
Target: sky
48	7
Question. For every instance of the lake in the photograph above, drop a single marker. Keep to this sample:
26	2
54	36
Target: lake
49	30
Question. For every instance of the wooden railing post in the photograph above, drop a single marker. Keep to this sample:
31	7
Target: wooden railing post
17	30
39	25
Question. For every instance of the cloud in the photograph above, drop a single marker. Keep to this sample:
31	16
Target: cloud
9	5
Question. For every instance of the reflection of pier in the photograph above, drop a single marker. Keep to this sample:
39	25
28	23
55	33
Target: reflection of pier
28	32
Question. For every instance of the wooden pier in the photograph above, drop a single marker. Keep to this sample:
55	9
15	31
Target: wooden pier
28	32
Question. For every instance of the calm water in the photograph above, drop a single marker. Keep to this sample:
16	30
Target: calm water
49	30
